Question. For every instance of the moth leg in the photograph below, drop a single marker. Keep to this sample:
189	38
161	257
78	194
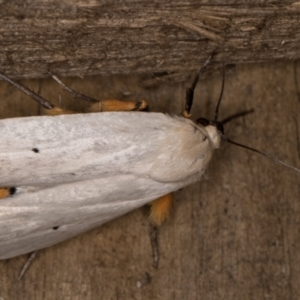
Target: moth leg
52	109
46	104
117	105
189	94
160	209
105	105
159	212
27	264
7	191
56	111
68	89
154	244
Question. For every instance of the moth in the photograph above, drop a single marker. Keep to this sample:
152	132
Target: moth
68	173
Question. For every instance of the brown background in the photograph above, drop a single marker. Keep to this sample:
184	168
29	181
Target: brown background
235	235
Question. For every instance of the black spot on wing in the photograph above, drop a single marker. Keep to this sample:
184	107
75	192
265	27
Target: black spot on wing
35	150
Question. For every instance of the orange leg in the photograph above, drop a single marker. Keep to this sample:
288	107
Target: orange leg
117	105
160	209
6	191
105	105
55	111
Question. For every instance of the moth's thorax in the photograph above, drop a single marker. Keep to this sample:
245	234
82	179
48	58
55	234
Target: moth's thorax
213	135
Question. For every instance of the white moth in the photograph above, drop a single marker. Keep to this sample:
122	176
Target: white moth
73	173
76	172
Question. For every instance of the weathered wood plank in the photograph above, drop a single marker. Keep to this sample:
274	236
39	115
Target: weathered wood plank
88	37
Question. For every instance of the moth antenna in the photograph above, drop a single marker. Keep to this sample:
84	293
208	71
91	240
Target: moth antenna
46	104
237	115
190	91
226	139
220	127
68	89
222	90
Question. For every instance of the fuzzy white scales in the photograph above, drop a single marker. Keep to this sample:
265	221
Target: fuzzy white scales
76	172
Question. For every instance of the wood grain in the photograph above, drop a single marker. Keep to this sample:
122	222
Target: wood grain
89	37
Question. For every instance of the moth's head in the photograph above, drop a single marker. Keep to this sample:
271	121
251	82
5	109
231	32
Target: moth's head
205	122
214	130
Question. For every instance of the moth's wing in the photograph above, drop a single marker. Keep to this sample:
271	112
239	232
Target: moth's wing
75	172
45	151
35	220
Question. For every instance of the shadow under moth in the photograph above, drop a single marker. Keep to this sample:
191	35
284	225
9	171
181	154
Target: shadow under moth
66	173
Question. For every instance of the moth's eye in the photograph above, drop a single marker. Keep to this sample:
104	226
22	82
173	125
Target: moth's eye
203	122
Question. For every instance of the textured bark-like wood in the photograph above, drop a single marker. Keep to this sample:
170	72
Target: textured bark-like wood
87	37
234	235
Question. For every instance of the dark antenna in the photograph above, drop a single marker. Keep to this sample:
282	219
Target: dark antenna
226	139
222	91
219	124
237	115
190	91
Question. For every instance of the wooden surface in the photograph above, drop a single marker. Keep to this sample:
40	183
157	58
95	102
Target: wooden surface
235	235
89	37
